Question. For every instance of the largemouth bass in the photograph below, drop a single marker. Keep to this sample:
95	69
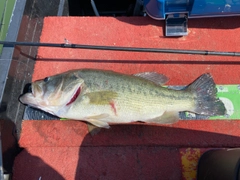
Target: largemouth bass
102	97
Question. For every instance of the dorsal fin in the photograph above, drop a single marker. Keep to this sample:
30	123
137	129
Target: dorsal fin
155	77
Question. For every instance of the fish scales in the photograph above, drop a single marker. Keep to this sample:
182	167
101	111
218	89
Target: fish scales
136	94
128	84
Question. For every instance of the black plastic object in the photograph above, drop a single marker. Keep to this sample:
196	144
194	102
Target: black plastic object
36	114
176	26
219	164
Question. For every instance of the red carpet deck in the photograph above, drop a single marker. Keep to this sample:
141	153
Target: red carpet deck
64	149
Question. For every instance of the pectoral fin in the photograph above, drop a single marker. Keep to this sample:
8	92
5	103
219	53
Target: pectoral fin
168	117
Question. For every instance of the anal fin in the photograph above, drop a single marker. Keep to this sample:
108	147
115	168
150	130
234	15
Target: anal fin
168	117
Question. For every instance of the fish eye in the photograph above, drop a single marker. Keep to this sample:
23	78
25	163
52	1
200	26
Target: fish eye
46	79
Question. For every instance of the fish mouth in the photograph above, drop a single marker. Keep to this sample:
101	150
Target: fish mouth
22	98
28	99
75	96
27	91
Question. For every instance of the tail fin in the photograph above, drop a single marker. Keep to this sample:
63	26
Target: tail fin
206	101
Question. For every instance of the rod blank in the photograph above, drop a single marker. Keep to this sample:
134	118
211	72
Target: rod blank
119	48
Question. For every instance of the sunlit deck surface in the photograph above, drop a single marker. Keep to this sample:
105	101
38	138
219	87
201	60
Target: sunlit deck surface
65	150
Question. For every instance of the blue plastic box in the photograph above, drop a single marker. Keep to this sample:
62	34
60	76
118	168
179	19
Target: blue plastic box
176	12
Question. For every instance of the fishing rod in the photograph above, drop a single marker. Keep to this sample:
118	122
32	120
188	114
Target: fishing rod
120	48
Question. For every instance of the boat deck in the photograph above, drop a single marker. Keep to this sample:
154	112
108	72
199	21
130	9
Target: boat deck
65	150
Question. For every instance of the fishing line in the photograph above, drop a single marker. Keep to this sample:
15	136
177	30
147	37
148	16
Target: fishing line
120	48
